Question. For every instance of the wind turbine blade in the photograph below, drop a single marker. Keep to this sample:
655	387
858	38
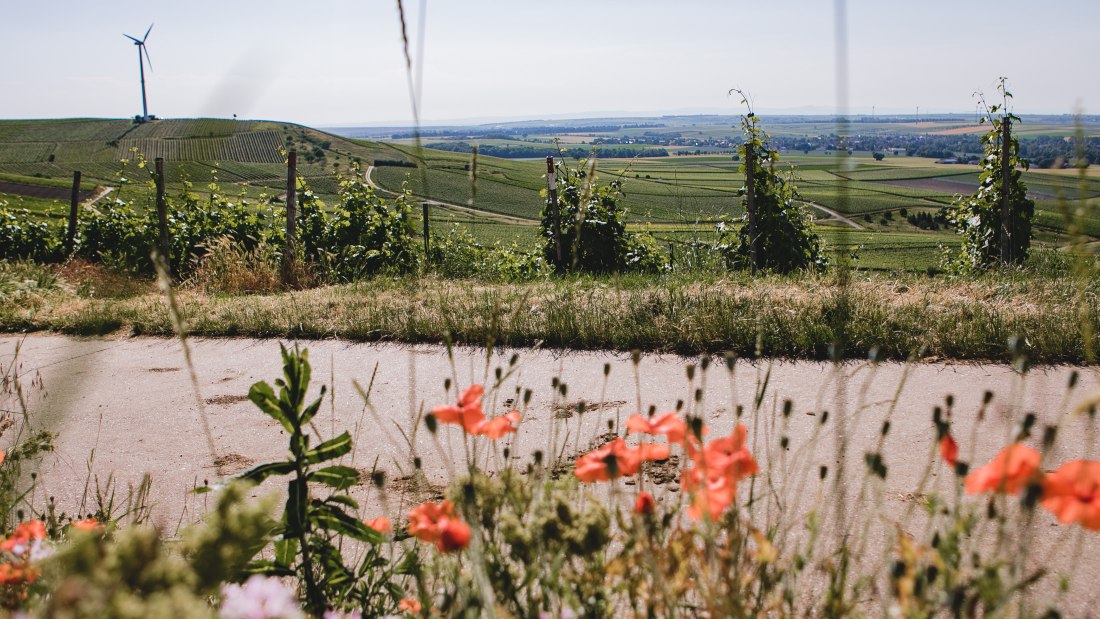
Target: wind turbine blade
131	38
147	58
147	33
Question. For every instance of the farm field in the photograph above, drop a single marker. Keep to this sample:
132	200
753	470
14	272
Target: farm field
677	198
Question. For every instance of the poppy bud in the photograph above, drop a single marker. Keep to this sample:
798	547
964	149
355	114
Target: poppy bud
645	504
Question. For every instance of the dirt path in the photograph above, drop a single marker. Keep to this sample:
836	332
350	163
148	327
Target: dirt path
468	210
835	215
131	402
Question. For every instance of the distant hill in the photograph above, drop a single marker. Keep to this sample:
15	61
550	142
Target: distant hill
198	150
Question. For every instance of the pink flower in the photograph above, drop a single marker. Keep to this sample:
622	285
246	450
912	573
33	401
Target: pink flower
260	597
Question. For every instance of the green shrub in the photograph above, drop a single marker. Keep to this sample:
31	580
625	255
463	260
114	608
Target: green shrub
458	254
22	236
785	236
593	227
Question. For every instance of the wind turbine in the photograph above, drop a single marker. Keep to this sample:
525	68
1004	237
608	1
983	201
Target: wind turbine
141	67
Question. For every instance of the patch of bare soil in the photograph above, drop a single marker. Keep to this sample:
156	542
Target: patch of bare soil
233	463
413	489
226	400
565	410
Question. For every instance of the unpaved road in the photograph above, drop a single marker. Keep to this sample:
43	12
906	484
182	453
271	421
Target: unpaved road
131	401
468	210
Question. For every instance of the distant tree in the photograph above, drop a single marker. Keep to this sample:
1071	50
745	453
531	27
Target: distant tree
785	239
878	156
979	218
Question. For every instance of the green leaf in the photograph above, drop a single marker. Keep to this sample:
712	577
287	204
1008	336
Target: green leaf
263	471
297	496
285	551
339	477
309	412
330	449
263	396
334	519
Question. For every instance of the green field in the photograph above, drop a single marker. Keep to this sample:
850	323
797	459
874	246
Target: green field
677	198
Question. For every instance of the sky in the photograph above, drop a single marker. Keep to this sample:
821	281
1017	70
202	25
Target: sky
338	62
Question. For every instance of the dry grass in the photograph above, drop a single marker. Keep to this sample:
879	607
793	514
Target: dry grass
798	317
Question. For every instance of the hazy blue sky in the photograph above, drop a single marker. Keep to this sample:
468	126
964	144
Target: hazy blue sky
337	61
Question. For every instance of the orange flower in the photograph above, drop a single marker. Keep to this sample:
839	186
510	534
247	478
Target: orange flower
712	480
498	426
466	413
88	524
409	605
1008	472
25	532
11	574
381	524
615	459
453	535
669	424
1072	493
436	523
949	449
645	504
2	456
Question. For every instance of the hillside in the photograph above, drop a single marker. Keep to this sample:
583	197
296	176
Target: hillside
246	152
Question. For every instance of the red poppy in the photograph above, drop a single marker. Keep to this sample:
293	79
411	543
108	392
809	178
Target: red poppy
409	605
466	413
12	574
645	504
669	424
1072	493
88	524
717	467
949	449
498	426
1008	472
381	524
25	532
436	523
615	459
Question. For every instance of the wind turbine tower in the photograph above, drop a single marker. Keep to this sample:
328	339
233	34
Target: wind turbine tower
145	117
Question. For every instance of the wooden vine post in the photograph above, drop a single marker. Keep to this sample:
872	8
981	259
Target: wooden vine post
74	208
555	212
1006	184
162	215
291	213
750	199
427	230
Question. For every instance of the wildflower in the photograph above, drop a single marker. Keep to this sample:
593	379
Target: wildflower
615	459
466	413
436	523
498	426
15	574
949	450
19	542
88	524
645	504
1008	472
381	524
1072	493
717	467
260	597
410	606
669	424
2	456
337	614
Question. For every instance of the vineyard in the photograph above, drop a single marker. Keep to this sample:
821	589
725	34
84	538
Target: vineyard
262	147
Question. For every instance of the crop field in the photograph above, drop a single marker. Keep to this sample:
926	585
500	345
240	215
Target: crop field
677	198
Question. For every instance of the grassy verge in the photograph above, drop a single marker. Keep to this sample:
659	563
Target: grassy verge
1056	316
